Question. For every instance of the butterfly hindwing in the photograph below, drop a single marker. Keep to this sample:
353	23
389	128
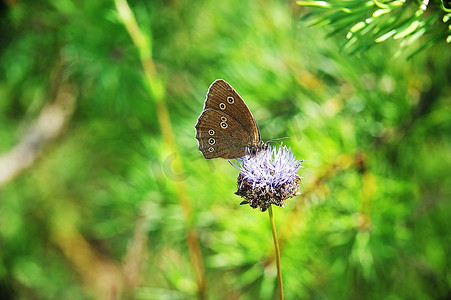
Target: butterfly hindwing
220	135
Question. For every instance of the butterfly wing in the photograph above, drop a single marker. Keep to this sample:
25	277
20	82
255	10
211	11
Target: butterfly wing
222	97
220	135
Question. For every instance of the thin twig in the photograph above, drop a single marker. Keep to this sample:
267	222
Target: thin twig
157	91
48	126
136	252
101	274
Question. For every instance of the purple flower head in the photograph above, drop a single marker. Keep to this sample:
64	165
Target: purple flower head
268	177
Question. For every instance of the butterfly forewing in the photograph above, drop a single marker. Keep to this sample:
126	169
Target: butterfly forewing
221	96
220	135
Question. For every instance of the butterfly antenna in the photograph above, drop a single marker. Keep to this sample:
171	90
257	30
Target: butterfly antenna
278	139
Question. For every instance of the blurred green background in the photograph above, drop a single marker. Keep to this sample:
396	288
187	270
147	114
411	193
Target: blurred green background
104	195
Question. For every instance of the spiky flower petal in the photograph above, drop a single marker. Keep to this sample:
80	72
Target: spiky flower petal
268	177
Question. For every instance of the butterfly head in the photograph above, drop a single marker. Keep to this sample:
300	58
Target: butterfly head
253	149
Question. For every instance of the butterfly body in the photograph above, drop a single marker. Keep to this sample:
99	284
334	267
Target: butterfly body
226	127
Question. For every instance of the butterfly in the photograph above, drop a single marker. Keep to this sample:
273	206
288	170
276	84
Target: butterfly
226	127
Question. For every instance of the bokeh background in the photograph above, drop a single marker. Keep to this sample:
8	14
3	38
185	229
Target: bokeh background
104	195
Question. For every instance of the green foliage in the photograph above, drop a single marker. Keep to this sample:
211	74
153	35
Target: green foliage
370	22
100	212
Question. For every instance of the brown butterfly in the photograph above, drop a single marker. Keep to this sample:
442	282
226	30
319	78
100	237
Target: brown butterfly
226	127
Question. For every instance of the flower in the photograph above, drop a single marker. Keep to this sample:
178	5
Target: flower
268	177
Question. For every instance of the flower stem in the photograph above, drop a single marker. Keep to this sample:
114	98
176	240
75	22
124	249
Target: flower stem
276	247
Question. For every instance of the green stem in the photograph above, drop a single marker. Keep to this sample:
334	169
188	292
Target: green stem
276	247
